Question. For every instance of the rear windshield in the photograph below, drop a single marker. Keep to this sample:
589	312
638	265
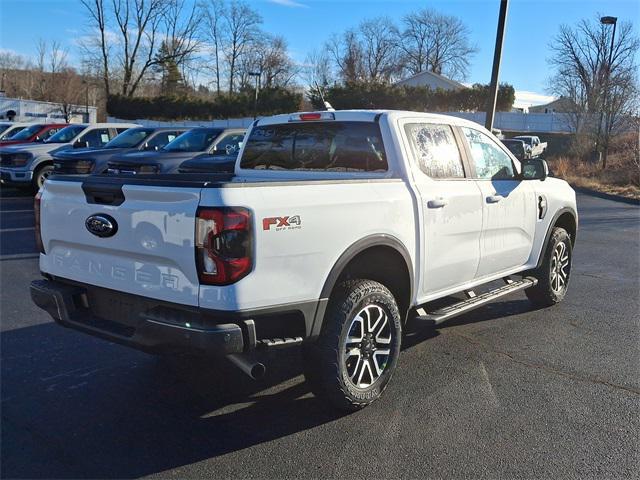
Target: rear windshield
317	146
196	140
129	138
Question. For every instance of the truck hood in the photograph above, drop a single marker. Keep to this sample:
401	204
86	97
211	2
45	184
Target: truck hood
168	161
90	153
209	163
37	149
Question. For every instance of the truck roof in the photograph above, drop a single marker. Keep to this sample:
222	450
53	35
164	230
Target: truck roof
364	115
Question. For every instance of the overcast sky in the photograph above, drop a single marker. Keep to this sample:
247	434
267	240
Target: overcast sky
306	24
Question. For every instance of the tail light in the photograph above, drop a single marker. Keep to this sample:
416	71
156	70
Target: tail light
36	210
223	245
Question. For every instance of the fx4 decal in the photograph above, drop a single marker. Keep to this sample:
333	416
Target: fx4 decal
282	223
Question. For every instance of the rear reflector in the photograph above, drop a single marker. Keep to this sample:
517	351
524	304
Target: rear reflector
312	116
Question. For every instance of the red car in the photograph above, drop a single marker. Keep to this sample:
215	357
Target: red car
33	133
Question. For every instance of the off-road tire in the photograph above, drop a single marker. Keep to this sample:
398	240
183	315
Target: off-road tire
546	293
324	360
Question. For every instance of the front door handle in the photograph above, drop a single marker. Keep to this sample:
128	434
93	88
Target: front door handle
437	203
494	198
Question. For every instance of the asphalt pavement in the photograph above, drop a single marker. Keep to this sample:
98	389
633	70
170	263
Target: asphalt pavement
504	391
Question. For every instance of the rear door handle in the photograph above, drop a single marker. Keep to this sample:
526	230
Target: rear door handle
494	198
437	203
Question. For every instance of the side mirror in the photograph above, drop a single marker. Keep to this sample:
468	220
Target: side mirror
80	144
534	169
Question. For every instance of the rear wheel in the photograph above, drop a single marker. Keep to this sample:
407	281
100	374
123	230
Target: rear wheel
554	273
40	175
356	354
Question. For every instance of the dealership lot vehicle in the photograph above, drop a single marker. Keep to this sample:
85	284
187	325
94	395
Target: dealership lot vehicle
37	132
195	143
335	228
209	164
90	160
30	165
536	147
8	129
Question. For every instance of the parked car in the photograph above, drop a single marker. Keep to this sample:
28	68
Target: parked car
520	149
8	129
200	141
535	145
36	132
335	228
209	164
89	160
30	165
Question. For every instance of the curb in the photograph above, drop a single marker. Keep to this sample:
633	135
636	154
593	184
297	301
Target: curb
607	196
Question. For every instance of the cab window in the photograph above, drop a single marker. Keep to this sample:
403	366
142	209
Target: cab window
96	138
491	162
435	149
229	144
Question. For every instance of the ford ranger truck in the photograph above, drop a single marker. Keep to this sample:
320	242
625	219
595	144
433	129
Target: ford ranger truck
335	228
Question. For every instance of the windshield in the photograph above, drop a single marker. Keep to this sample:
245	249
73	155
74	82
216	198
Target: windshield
66	134
317	146
196	140
4	126
10	131
130	138
26	133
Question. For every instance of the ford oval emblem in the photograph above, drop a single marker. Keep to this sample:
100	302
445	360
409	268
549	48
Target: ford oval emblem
101	225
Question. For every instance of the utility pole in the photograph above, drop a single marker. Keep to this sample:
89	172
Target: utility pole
606	21
497	56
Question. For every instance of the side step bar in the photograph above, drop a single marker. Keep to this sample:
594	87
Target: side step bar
473	301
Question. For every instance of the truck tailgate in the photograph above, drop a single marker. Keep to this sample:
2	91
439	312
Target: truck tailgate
151	254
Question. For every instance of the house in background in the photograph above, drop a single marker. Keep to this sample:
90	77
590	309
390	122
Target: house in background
432	80
559	105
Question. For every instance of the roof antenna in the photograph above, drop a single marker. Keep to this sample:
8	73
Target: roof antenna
327	105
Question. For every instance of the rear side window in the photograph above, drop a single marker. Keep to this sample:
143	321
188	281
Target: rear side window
161	139
435	149
317	146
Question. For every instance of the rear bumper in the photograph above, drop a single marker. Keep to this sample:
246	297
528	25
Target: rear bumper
159	329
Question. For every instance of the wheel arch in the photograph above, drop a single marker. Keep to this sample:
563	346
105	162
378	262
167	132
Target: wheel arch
565	218
393	268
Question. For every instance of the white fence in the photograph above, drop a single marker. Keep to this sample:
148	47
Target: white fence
506	121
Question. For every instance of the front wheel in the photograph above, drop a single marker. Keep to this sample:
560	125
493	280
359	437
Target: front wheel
554	272
40	175
356	354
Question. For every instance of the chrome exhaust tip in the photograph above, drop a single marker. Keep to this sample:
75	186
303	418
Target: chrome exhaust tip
255	370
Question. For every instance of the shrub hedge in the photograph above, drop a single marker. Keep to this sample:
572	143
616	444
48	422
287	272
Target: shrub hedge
419	99
270	101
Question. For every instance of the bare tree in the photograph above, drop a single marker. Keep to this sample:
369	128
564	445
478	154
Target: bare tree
241	29
270	58
585	77
347	55
436	42
317	69
213	12
378	38
130	33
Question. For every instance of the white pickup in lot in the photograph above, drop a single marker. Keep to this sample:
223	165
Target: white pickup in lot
334	230
535	146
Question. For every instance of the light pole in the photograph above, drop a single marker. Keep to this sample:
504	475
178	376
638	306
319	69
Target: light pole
497	56
606	21
255	100
86	99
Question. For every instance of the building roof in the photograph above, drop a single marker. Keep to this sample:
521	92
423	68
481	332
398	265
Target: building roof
426	75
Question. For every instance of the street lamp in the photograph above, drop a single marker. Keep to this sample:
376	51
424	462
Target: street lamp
255	100
607	21
86	99
497	56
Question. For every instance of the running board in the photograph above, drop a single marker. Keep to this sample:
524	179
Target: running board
474	301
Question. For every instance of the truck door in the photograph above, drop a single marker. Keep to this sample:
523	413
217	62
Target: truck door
509	206
451	207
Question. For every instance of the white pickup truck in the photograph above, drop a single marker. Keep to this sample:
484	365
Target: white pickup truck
535	146
334	230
